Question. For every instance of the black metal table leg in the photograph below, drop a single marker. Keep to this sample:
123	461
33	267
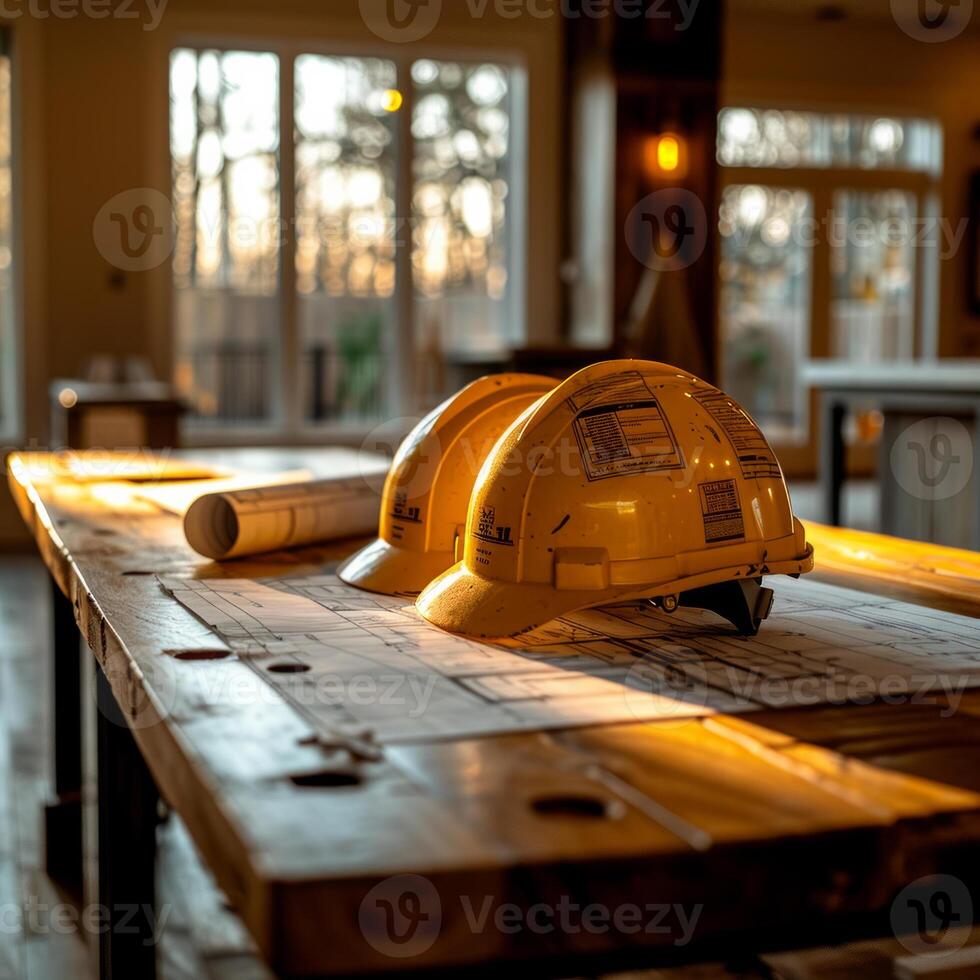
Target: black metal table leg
128	806
63	815
832	458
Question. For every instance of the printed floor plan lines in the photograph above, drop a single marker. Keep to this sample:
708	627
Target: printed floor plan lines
353	659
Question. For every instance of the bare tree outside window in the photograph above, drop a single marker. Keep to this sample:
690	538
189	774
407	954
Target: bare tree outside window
224	136
346	159
357	136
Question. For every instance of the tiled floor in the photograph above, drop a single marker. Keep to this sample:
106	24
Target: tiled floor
37	940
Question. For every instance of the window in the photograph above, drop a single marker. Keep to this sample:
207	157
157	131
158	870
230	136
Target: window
462	172
818	219
224	138
9	333
372	159
346	168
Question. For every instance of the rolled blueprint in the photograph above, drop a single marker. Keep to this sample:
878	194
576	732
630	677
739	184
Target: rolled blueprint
240	522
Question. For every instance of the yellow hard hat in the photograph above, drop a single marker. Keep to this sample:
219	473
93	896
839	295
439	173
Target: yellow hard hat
631	479
426	493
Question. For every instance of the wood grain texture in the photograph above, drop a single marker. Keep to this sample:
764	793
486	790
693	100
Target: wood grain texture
781	826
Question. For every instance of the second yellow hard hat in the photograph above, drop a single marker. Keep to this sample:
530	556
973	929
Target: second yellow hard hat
427	491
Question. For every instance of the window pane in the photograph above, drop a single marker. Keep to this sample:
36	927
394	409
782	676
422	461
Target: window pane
872	314
765	303
8	327
224	139
770	138
346	157
462	210
786	138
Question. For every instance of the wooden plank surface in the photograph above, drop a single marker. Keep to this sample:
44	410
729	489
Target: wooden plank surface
830	810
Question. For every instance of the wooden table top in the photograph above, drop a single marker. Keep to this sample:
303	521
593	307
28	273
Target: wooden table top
783	826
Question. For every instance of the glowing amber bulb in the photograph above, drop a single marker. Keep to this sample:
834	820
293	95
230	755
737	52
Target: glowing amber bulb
668	153
665	156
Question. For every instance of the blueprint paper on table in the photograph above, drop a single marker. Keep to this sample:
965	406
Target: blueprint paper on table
357	662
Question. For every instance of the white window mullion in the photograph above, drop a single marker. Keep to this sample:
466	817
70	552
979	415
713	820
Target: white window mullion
291	347
404	397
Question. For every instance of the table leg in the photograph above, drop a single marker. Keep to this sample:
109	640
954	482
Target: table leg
832	458
127	814
63	815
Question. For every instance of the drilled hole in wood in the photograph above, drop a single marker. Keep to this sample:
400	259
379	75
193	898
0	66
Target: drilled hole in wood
203	654
571	805
288	668
137	571
328	778
104	531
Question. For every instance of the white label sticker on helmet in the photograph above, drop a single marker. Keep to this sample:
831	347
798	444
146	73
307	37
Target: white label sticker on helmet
624	437
721	511
755	457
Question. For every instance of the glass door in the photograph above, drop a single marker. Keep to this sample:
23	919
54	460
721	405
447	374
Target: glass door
766	267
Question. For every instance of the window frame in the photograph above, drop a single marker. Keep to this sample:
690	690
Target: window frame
822	183
287	422
12	409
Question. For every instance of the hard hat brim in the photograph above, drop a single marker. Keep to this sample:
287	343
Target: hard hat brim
385	568
461	602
